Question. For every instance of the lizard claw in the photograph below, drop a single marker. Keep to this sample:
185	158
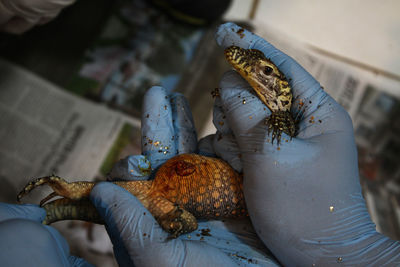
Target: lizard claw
35	183
278	122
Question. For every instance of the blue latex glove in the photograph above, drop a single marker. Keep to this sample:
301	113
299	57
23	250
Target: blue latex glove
168	130
304	199
26	242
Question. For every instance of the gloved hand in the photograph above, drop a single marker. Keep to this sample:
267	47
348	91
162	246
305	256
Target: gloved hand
18	16
26	242
168	130
304	199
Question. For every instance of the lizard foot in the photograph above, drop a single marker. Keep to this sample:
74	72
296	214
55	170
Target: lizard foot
76	190
278	122
178	222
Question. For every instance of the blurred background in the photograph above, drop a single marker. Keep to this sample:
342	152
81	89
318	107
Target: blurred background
71	90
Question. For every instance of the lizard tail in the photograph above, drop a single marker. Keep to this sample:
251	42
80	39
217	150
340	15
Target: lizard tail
67	209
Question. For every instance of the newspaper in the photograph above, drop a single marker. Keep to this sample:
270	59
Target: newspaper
45	130
372	99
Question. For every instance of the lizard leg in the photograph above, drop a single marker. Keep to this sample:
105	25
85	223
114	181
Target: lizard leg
172	218
67	209
278	122
75	190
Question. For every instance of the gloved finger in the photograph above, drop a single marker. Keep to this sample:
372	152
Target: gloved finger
29	243
246	115
237	239
131	227
327	118
61	243
242	112
25	211
134	168
158	132
241	107
185	131
219	118
226	147
222	146
224	142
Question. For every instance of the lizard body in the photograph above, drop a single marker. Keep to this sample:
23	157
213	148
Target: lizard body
186	187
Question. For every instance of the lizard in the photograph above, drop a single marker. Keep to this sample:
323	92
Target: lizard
186	187
270	85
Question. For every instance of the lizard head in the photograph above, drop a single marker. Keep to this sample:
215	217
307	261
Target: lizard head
267	81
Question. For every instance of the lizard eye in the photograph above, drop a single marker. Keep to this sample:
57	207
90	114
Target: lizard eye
268	70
